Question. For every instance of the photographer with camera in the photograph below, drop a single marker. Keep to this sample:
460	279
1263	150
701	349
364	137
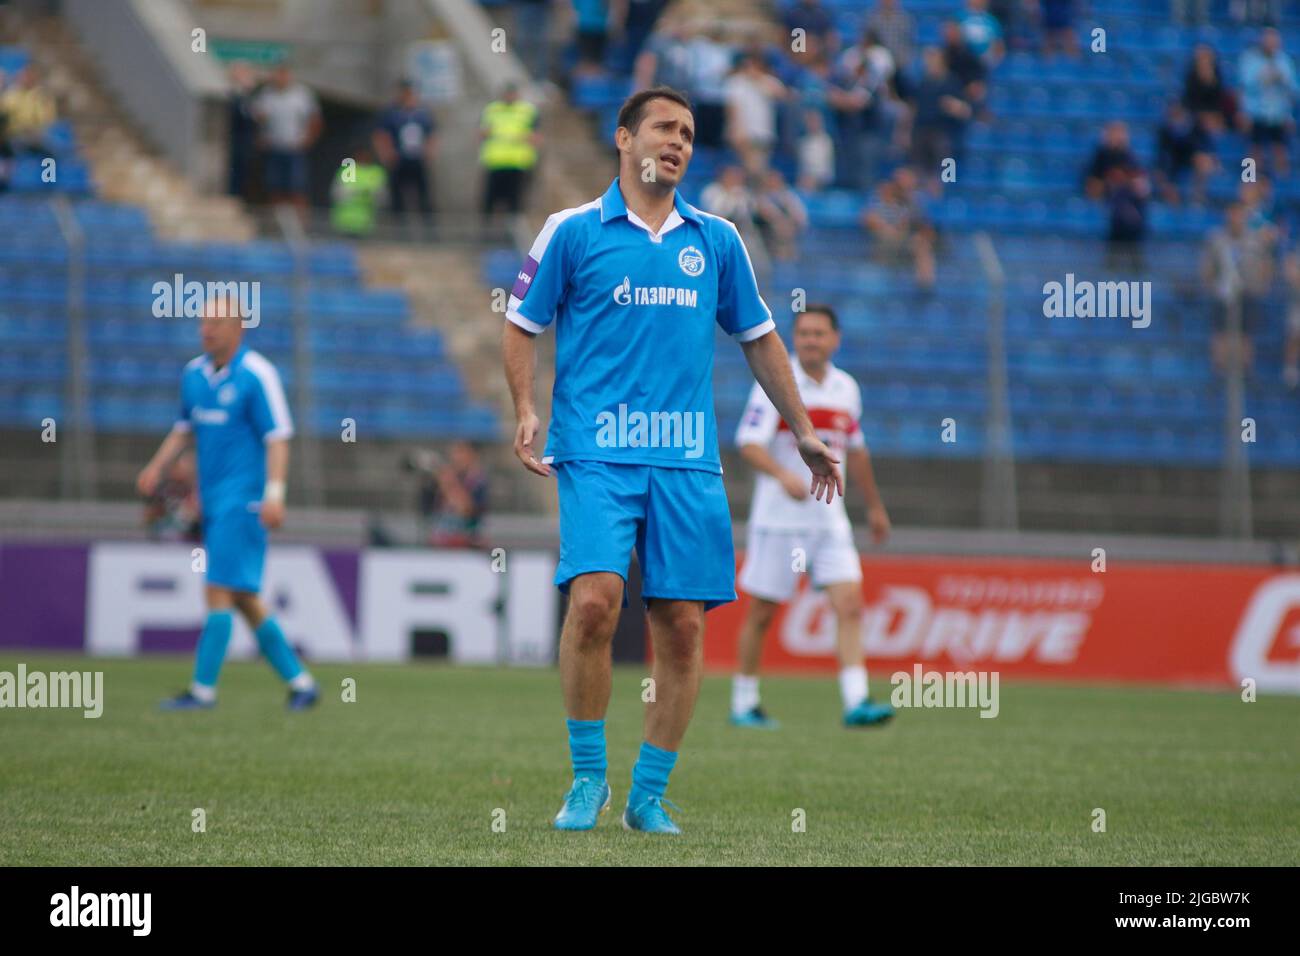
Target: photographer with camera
453	494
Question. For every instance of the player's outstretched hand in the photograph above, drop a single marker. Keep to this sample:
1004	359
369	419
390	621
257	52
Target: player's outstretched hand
826	479
525	435
272	514
147	482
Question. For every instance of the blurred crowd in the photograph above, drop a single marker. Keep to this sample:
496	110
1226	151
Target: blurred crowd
1244	257
27	111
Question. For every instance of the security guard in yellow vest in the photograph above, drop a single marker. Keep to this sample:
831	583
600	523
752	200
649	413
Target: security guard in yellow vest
509	152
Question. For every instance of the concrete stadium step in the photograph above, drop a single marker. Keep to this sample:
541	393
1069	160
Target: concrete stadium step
124	169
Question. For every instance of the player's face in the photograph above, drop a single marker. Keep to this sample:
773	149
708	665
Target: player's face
220	334
661	148
815	341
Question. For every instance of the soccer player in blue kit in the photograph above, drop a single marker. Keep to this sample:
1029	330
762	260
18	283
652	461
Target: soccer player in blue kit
233	408
634	282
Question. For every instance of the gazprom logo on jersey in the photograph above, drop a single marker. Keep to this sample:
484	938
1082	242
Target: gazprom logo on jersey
637	429
180	299
625	293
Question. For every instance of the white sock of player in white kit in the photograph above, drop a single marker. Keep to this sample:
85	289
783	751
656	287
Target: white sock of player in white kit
853	686
744	693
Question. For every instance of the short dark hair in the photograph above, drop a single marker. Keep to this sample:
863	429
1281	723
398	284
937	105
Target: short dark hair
632	112
821	309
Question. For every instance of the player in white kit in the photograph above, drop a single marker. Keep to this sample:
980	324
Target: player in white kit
789	532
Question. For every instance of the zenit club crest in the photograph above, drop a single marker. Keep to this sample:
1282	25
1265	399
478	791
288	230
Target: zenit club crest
691	260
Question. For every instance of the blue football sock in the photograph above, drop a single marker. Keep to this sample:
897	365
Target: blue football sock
277	650
587	747
211	650
650	775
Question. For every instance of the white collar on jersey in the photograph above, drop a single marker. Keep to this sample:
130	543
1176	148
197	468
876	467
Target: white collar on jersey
802	376
672	222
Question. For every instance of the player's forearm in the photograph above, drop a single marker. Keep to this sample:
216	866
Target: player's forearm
862	475
170	448
770	363
519	353
277	461
760	459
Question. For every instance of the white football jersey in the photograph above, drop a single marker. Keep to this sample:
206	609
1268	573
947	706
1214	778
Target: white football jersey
835	407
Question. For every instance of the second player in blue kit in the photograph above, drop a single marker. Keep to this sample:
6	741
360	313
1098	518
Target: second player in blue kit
636	283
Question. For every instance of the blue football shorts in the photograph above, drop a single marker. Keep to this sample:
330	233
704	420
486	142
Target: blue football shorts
235	540
676	518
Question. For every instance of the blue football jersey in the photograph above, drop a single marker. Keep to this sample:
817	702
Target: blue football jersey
634	318
233	412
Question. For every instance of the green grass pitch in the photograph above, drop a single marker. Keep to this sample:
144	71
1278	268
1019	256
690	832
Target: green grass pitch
414	771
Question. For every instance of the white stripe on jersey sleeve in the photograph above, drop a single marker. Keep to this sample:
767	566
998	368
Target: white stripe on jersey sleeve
757	331
535	253
269	379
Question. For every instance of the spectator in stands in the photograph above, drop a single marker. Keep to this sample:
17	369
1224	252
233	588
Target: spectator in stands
1291	360
1205	93
816	153
1256	12
857	96
290	121
243	129
592	35
1261	205
1112	153
710	59
730	197
983	33
1237	268
530	37
900	230
940	116
1127	191
406	142
1057	22
751	94
453	494
1182	148
1269	91
1189	12
6	150
357	193
1014	16
814	19
665	60
781	216
964	66
30	110
897	31
634	20
511	139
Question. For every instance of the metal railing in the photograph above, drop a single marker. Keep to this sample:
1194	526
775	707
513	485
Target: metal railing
1235	518
998	501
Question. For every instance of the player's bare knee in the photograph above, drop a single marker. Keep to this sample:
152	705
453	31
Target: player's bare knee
684	626
848	605
761	613
593	613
